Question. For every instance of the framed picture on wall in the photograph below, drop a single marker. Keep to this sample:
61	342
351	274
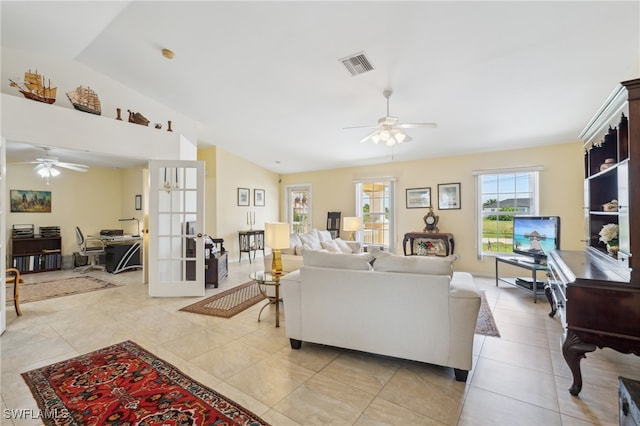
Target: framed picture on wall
418	198
243	196
27	201
258	197
449	196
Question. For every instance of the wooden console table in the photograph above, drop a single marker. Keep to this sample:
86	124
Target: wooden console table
250	241
410	237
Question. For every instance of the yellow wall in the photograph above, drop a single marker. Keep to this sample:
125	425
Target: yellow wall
225	174
93	200
561	184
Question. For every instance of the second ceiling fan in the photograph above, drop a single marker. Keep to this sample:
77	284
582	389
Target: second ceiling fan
388	130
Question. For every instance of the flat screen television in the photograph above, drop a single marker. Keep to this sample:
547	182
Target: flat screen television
535	236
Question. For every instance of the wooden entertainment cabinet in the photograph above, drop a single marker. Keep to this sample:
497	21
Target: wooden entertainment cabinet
598	293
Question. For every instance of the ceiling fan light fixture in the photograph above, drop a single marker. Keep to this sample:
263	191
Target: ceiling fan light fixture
48	171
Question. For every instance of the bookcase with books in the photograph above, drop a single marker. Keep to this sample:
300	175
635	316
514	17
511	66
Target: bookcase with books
36	253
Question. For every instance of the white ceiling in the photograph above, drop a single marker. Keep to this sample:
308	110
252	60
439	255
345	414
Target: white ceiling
264	80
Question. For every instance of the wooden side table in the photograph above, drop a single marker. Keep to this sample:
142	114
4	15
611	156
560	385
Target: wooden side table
250	241
410	238
268	279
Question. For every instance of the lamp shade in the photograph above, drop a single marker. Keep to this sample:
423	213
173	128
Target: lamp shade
276	235
352	224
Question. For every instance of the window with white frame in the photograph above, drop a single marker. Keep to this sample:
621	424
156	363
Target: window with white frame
298	212
375	204
501	195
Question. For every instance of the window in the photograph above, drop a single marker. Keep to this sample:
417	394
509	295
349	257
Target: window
299	207
375	204
503	194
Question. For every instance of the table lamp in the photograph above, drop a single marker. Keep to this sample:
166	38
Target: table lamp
352	224
276	236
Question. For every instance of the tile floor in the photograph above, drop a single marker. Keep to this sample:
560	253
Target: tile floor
518	379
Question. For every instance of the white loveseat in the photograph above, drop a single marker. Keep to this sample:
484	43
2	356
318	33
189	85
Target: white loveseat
312	240
412	307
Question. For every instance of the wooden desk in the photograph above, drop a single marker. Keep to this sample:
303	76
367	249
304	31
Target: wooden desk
122	253
250	241
411	237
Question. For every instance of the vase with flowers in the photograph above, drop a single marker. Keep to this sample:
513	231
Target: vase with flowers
609	236
423	247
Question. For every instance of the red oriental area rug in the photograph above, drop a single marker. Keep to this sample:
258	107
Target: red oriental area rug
124	384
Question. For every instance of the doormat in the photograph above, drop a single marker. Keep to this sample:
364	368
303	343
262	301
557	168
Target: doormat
229	302
486	324
58	288
126	385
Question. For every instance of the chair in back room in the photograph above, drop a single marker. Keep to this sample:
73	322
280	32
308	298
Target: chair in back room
90	247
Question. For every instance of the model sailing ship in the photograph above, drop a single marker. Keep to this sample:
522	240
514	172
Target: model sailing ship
34	88
86	100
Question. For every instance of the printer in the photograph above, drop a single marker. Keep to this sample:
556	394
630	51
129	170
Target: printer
111	232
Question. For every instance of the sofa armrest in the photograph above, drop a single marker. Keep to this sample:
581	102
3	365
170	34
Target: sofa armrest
464	304
291	291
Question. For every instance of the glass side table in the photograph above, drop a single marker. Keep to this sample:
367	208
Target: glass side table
264	280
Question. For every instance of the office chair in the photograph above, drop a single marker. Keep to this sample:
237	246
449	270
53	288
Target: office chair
91	251
14	278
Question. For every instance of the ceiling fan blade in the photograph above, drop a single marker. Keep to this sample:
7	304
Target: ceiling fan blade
416	125
75	167
373	126
366	138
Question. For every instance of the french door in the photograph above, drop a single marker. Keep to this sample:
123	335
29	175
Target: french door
176	228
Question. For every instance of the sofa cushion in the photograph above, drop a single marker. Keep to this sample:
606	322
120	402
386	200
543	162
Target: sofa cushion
330	246
324	235
433	265
311	240
325	259
343	246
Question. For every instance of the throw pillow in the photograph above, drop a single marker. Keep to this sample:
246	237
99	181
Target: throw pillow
343	246
324	236
414	264
336	260
311	239
330	246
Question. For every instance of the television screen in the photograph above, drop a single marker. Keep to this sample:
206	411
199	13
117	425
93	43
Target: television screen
536	235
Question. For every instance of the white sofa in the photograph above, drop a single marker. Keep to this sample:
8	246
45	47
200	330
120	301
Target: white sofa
412	307
312	240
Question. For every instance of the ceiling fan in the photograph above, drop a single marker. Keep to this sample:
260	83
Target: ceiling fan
46	166
388	129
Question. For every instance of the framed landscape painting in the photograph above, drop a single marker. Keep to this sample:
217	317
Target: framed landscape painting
418	198
26	201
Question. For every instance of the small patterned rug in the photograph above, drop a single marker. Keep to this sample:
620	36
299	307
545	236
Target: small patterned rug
486	324
58	288
124	384
229	302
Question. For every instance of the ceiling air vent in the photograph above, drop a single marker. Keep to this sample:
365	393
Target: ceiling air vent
357	64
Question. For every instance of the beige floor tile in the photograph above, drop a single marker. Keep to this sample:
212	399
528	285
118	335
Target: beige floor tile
595	404
382	412
428	390
523	384
363	371
270	380
322	400
518	354
483	407
230	359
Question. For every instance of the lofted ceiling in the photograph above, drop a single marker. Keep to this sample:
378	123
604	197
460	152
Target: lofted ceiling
264	79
